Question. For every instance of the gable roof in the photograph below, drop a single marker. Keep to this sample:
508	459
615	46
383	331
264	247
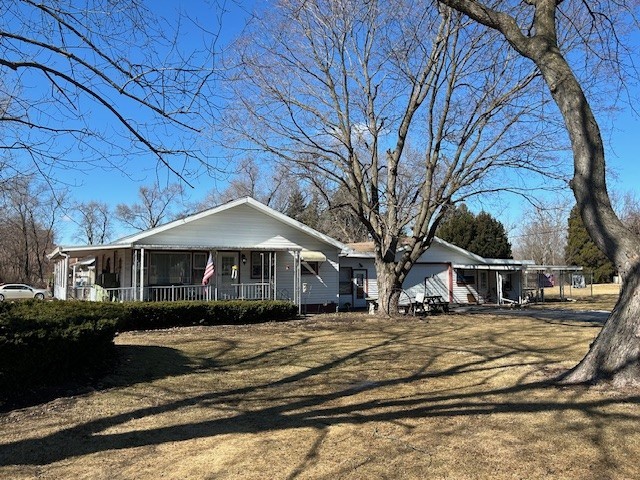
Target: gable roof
366	250
139	237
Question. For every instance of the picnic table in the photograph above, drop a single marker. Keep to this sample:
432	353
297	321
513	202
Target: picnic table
430	304
421	303
436	303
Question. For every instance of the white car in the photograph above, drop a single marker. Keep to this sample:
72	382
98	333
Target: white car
19	291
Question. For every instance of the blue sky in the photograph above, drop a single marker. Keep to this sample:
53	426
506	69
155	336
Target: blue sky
112	186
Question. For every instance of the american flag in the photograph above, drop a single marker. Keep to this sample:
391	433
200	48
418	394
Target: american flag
208	270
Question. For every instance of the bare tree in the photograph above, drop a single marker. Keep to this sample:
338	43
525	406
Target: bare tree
630	212
250	179
29	213
102	82
157	205
95	222
542	234
532	32
403	107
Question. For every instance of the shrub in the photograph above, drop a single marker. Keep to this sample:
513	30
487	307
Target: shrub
48	343
149	316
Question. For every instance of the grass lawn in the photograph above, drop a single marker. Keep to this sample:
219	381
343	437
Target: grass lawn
459	396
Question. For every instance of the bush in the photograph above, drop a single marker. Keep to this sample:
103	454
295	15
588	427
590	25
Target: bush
48	343
150	316
44	344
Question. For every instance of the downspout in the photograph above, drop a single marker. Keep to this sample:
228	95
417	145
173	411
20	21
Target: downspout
298	276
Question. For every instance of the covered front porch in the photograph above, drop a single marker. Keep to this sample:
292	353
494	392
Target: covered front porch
177	273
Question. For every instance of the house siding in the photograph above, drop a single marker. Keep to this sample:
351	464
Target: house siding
245	229
428	278
241	227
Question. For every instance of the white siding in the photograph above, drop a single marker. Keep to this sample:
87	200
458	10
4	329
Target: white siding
438	253
240	227
430	279
322	288
467	293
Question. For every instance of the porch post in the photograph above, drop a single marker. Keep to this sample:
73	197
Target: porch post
142	274
275	275
298	276
134	274
65	281
262	275
63	273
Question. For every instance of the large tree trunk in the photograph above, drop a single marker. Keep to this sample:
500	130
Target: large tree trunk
389	288
614	355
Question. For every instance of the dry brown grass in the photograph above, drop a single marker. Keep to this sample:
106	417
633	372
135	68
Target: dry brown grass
594	297
454	396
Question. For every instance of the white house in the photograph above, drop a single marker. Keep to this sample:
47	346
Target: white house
260	253
257	252
453	273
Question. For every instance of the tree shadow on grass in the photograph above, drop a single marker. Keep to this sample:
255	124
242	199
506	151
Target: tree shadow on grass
129	365
286	403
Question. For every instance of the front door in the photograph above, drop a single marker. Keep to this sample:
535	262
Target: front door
359	288
228	275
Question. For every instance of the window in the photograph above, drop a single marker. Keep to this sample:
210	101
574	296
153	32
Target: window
260	265
464	278
346	284
310	268
170	268
200	260
199	264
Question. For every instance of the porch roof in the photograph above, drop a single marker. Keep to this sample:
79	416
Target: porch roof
77	251
555	268
82	251
255	248
494	267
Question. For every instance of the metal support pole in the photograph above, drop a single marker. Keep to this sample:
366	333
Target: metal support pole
141	274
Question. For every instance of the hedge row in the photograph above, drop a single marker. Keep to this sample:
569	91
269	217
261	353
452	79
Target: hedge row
150	316
46	343
39	348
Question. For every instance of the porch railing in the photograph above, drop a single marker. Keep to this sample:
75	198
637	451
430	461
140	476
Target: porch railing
174	293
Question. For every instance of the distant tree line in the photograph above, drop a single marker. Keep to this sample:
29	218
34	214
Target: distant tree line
28	214
32	214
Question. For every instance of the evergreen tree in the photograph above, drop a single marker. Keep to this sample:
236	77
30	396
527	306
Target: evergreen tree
296	204
490	239
458	227
310	215
298	208
481	234
581	250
